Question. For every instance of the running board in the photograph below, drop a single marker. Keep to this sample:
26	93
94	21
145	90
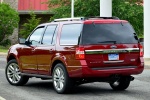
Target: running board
37	75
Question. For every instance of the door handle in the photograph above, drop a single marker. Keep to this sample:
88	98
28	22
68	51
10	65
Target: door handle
33	50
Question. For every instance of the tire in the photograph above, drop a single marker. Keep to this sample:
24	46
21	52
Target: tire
121	84
13	74
61	81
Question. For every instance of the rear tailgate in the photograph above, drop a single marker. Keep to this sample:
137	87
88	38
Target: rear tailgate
105	56
110	43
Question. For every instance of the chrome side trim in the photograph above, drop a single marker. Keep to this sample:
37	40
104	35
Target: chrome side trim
106	51
110	62
75	66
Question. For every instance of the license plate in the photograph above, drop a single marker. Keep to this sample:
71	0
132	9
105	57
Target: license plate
113	56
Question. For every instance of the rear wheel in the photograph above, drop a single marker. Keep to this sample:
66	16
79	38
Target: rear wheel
120	84
13	74
61	81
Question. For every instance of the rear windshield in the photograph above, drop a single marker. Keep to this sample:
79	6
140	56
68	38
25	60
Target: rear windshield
108	33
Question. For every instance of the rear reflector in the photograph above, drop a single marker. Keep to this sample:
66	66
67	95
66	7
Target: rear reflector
141	51
80	53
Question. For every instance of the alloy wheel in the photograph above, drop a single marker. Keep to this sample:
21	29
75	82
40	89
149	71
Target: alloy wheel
58	78
13	73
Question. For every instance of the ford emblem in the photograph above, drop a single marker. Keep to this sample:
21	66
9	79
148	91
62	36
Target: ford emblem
113	47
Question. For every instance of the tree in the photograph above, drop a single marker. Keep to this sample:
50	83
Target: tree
28	27
130	10
9	19
62	8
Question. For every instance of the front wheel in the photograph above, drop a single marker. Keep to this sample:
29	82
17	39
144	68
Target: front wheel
61	81
121	84
13	74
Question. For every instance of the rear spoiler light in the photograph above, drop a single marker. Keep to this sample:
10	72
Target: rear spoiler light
80	54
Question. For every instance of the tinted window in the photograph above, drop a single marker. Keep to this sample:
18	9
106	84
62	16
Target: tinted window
48	35
36	36
70	34
108	33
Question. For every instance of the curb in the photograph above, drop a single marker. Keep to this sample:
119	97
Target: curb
147	62
3	54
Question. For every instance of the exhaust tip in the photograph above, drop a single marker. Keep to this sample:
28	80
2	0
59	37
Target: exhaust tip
131	78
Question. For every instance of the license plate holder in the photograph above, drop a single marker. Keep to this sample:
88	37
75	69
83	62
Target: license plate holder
113	56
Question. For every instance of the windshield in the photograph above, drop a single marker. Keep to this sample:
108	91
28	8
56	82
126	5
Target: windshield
108	33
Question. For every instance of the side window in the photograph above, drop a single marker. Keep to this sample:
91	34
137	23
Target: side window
49	34
36	36
70	34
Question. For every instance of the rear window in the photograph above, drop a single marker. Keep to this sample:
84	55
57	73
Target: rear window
107	33
70	34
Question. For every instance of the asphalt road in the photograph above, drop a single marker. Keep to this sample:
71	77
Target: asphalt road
37	89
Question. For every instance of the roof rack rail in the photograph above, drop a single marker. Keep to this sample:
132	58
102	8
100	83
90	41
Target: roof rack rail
94	17
69	19
84	18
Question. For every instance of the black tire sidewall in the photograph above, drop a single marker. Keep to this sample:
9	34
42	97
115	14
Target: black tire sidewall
123	84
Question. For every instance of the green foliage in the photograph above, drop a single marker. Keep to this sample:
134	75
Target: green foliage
124	9
82	8
5	43
28	27
4	49
9	19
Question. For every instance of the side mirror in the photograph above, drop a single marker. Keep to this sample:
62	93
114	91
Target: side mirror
22	41
141	39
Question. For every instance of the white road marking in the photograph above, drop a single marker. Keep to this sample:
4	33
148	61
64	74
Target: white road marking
1	98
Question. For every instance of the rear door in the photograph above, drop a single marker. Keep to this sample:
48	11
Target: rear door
68	42
110	45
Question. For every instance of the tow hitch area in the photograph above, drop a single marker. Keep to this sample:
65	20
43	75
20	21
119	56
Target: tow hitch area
117	77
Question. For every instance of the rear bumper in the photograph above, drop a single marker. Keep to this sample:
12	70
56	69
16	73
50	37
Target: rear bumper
85	71
88	72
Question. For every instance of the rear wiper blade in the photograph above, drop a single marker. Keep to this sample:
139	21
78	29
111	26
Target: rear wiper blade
107	42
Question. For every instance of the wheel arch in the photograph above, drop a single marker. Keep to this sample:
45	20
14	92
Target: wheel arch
10	57
54	63
13	56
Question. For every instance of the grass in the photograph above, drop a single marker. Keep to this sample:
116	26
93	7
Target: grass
3	49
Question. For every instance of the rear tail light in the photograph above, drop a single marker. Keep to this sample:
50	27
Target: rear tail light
80	53
141	51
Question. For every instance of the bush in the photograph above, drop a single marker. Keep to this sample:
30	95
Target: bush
9	19
5	43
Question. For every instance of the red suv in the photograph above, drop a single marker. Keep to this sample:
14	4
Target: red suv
73	51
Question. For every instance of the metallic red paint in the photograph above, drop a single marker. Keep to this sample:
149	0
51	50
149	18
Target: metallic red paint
40	60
